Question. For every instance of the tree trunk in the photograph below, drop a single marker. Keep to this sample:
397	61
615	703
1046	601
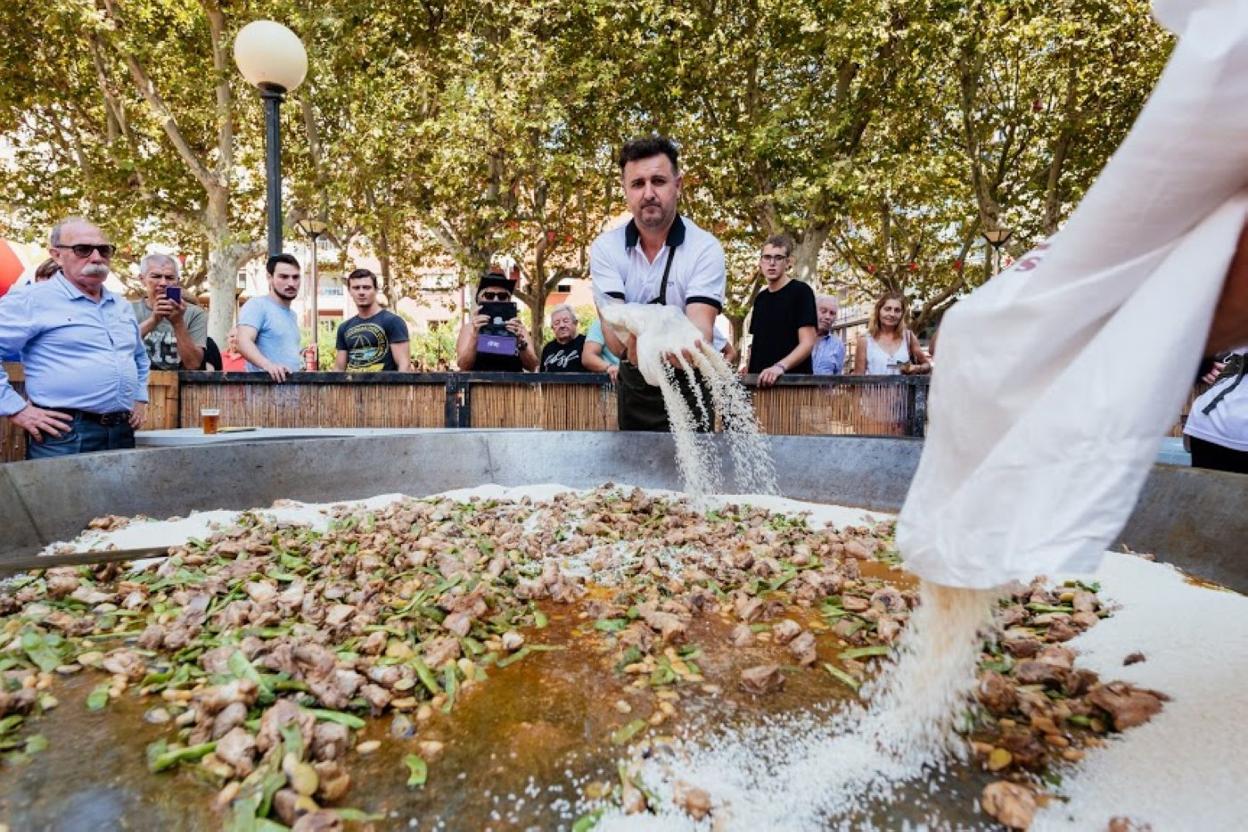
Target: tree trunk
222	278
806	253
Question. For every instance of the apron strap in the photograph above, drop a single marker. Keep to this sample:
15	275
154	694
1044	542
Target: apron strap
1238	366
661	300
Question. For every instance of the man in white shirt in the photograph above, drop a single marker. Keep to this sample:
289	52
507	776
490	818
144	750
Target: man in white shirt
658	257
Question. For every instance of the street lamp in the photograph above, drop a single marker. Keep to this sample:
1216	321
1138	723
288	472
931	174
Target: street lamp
271	58
314	229
996	238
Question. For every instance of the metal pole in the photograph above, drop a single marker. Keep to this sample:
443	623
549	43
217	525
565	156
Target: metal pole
272	97
316	320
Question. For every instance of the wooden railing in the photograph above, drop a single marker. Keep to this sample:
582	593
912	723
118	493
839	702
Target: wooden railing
162	409
863	405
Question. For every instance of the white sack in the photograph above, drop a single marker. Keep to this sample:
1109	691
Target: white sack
1056	380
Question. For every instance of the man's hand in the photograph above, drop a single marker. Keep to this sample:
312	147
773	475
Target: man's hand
276	371
137	414
743	370
1214	371
689	356
36	421
516	328
166	309
613	372
768	377
479	321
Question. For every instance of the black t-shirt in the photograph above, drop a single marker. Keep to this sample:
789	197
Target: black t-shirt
777	318
367	341
212	356
563	358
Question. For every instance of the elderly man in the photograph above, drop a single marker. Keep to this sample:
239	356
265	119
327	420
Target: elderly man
174	332
563	355
268	332
86	368
658	257
829	353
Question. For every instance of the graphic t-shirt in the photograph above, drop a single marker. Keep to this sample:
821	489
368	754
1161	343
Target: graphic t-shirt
162	342
563	358
777	318
367	342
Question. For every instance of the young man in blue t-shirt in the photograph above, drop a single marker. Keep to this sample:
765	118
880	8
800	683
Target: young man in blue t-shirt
268	331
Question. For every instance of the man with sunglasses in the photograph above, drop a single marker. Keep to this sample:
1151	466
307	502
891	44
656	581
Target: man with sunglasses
494	289
174	332
86	367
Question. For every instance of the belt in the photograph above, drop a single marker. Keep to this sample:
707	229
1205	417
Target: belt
108	420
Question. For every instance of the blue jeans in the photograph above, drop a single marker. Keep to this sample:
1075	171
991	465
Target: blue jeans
84	437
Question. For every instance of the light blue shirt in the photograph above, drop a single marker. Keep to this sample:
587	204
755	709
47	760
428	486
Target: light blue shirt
77	353
595	335
277	332
828	355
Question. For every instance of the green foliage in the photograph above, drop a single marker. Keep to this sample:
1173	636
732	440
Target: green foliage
884	135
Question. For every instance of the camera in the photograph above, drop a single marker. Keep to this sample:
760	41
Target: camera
494	337
173	293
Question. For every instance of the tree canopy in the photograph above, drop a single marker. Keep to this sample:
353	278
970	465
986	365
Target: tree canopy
885	136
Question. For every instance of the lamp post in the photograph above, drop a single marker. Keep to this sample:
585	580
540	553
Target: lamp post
314	229
272	59
996	238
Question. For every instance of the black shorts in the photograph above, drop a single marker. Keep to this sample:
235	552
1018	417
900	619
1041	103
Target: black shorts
1217	457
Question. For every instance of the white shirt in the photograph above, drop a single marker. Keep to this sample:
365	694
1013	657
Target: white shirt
1227	423
880	363
620	269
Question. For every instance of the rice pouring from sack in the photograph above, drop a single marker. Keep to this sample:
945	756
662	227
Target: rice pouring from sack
662	331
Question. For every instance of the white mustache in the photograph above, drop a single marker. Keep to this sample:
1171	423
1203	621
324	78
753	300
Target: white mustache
95	269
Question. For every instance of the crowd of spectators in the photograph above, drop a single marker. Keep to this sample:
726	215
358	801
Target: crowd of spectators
87	353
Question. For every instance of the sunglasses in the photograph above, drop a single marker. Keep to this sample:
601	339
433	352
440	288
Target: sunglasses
495	296
84	250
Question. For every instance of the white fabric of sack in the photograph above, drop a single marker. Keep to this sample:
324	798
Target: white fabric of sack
1057	379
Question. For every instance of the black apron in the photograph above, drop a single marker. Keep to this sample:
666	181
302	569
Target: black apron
639	404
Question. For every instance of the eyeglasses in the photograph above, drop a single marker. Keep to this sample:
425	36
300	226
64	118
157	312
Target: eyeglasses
495	296
774	258
84	250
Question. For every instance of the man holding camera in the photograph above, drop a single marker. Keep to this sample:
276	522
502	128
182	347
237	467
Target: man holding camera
658	257
494	340
174	332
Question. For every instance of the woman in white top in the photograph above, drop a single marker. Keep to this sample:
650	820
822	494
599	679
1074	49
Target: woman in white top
889	347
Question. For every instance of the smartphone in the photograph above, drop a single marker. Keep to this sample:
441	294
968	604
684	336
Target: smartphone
174	293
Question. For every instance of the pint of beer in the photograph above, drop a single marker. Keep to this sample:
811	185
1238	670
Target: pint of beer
210	417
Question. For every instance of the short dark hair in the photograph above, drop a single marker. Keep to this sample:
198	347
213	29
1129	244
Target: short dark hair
361	274
647	146
783	241
288	259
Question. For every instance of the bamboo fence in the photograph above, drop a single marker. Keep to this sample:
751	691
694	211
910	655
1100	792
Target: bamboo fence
810	405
